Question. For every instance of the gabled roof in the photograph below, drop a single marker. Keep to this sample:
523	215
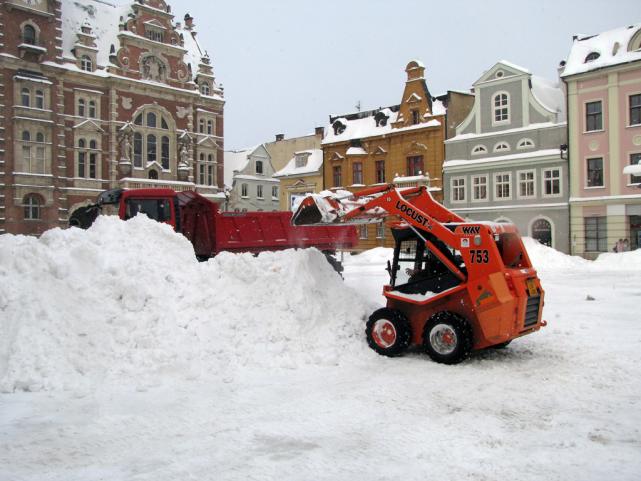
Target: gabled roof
313	165
237	160
502	65
89	125
613	48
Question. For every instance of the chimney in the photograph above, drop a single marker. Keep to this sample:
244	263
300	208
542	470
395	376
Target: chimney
189	21
280	137
320	132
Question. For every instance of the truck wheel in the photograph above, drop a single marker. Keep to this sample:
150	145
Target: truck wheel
447	338
388	332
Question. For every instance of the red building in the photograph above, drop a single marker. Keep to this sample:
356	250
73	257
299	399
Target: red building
95	96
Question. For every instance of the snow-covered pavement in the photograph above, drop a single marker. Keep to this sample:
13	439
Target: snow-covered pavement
115	367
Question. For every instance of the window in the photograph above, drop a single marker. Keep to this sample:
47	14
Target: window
138	150
552	182
155	35
210	175
501	147
596	234
151	148
151	119
415	165
201	126
33	153
362	231
479	149
86	64
29	35
380	171
151	143
92	109
527	184
593	116
244	188
205	89
82	158
525	144
259	166
259	191
87	166
592	56
380	230
153	174
274	192
634	160
458	189
502	185
210	127
40	99
357	173
501	108
635	109
32	207
301	161
479	187
25	97
207	169
595	172
336	176
81	107
164	152
415	117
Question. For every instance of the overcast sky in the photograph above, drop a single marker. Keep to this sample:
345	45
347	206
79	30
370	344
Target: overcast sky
286	65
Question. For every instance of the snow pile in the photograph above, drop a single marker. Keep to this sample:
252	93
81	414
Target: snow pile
128	302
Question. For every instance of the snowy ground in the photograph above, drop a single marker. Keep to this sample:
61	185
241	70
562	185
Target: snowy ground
115	366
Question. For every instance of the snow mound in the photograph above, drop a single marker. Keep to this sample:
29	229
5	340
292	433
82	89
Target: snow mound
545	258
127	302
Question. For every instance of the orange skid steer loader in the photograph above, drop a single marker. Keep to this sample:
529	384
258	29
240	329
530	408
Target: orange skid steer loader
455	286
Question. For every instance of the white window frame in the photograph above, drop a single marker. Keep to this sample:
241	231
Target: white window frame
274	192
585	163
458	186
362	232
244	191
259	192
495	185
474	186
519	182
479	149
501	146
494	108
544	180
521	144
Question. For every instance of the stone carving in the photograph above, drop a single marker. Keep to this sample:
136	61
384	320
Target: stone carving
181	112
127	103
154	69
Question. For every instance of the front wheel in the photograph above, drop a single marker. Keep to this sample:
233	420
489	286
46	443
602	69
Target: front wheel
388	332
447	338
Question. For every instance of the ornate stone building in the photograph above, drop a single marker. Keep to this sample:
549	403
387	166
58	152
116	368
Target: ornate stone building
95	96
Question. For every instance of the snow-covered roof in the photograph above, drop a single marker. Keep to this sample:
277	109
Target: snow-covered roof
312	166
236	160
542	125
549	94
514	66
366	127
611	46
104	19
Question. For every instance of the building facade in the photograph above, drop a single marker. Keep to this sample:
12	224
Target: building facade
506	162
96	96
374	147
301	176
603	78
249	176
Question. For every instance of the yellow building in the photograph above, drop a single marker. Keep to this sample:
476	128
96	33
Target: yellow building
301	176
375	147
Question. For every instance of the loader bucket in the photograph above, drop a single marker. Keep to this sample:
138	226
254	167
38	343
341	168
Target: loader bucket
308	212
332	210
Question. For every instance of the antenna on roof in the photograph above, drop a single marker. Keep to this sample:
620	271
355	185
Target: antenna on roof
358	106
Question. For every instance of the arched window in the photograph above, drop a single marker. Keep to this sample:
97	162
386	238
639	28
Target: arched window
501	108
32	207
40	137
541	230
592	56
163	123
525	144
153	174
138	119
25	97
81	107
26	135
151	119
86	63
29	34
164	153
501	147
40	99
82	158
137	149
151	148
92	109
479	149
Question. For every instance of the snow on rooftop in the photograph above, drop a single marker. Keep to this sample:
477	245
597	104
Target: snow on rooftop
610	46
312	166
366	127
503	158
514	66
236	160
549	94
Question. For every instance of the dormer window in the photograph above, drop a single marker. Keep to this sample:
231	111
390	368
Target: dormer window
479	149
29	34
381	119
301	161
154	34
259	166
592	56
205	89
415	117
86	63
501	147
525	144
338	127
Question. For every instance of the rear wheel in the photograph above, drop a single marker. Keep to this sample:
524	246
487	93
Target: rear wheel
447	338
388	332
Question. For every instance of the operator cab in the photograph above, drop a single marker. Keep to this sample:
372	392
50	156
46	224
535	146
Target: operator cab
417	270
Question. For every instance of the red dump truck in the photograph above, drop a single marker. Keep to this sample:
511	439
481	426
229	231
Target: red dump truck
212	231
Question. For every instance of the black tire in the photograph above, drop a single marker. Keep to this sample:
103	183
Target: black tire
447	338
388	332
